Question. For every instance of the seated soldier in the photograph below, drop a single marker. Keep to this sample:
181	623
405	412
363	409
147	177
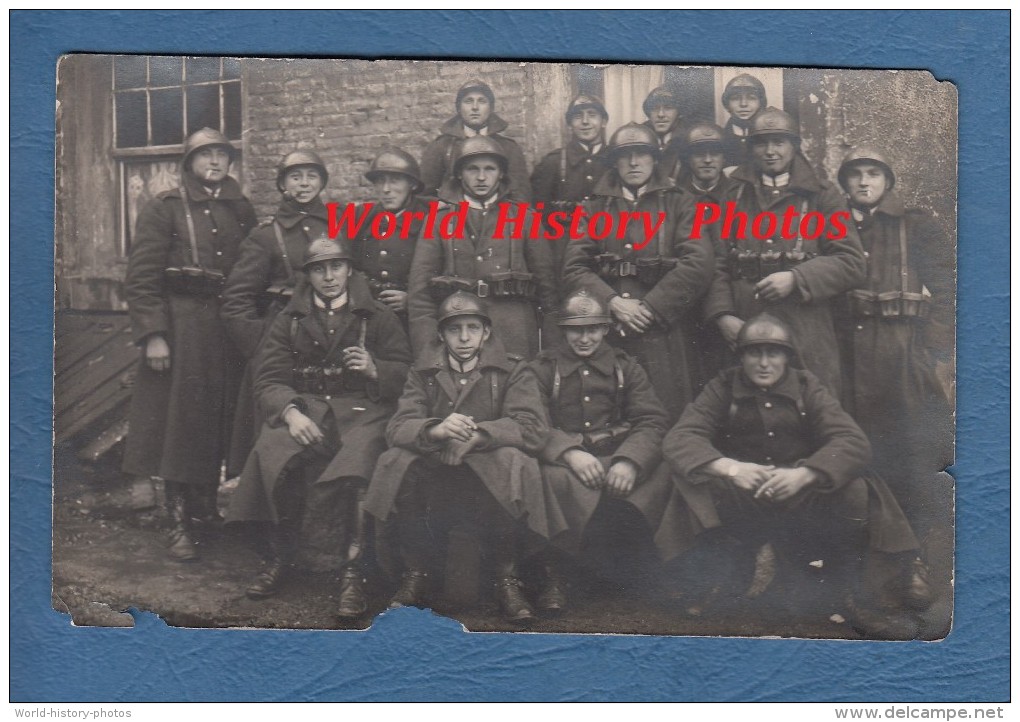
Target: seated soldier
766	453
328	373
605	440
461	437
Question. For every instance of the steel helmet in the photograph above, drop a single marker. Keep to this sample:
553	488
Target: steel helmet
865	154
478	145
477	85
765	329
395	160
633	135
203	139
581	102
325	248
660	96
744	82
773	121
703	135
580	309
462	303
298	158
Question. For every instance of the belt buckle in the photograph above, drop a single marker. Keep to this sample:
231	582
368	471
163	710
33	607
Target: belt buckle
483	289
626	268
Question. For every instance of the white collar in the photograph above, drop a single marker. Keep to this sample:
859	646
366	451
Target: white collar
334	304
711	188
739	130
471	132
481	205
212	192
780	181
592	149
860	214
631	195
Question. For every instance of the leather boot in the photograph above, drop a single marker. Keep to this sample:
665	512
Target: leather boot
413	592
914	589
353	603
202	505
509	593
181	546
277	565
552	599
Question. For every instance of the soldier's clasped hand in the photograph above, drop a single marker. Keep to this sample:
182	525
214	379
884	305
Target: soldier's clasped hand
586	467
454	427
632	313
394	299
360	360
776	286
302	429
621	477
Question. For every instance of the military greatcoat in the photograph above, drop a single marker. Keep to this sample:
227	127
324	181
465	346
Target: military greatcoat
437	160
594	394
831	268
356	413
248	311
480	256
180	419
667	350
507	407
796	422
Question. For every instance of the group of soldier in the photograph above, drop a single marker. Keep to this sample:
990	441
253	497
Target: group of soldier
401	397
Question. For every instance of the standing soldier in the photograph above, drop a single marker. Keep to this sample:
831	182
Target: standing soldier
263	279
516	275
901	330
605	439
461	437
662	107
651	290
567	176
386	263
476	116
329	371
744	97
187	241
794	279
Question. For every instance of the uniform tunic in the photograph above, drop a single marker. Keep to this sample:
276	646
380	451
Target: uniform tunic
833	266
507	408
736	144
666	351
180	419
589	400
565	178
476	256
437	160
896	396
797	422
246	312
355	416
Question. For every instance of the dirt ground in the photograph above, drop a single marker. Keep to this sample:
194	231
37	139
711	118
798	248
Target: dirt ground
109	557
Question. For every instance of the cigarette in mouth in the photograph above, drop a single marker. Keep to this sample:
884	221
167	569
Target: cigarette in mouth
208	173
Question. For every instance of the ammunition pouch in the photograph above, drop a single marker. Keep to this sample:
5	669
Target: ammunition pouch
325	380
194	281
376	286
442	287
890	304
605	442
506	284
753	265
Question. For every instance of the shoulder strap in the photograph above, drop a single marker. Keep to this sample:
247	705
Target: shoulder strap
618	393
904	268
293	333
563	164
660	242
283	249
494	386
799	245
557	382
192	240
363	332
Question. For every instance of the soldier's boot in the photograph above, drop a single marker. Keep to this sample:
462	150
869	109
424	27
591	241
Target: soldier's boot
202	505
414	544
413	591
181	547
277	565
510	595
552	599
353	602
912	586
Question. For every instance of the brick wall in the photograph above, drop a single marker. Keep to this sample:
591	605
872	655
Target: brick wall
347	111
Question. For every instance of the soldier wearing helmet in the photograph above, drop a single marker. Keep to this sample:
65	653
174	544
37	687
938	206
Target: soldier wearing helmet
386	262
797	277
703	157
900	332
461	438
328	373
475	116
186	242
263	279
495	261
664	113
650	288
603	448
744	97
567	176
767	454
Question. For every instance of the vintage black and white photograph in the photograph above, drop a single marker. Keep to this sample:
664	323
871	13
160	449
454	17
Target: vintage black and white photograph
544	347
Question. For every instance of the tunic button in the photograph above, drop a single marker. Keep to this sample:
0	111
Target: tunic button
383	253
449	403
771	434
587	424
328	397
768	458
463	382
384	274
769	241
860	328
867	255
588	177
207	211
219	253
625	295
768	404
213	230
584	372
629	246
479	258
332	330
307	229
587	398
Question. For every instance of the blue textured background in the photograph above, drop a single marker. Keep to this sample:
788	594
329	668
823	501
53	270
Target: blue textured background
413	655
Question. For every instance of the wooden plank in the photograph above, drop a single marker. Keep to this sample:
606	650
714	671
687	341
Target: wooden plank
107	363
78	418
87	335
